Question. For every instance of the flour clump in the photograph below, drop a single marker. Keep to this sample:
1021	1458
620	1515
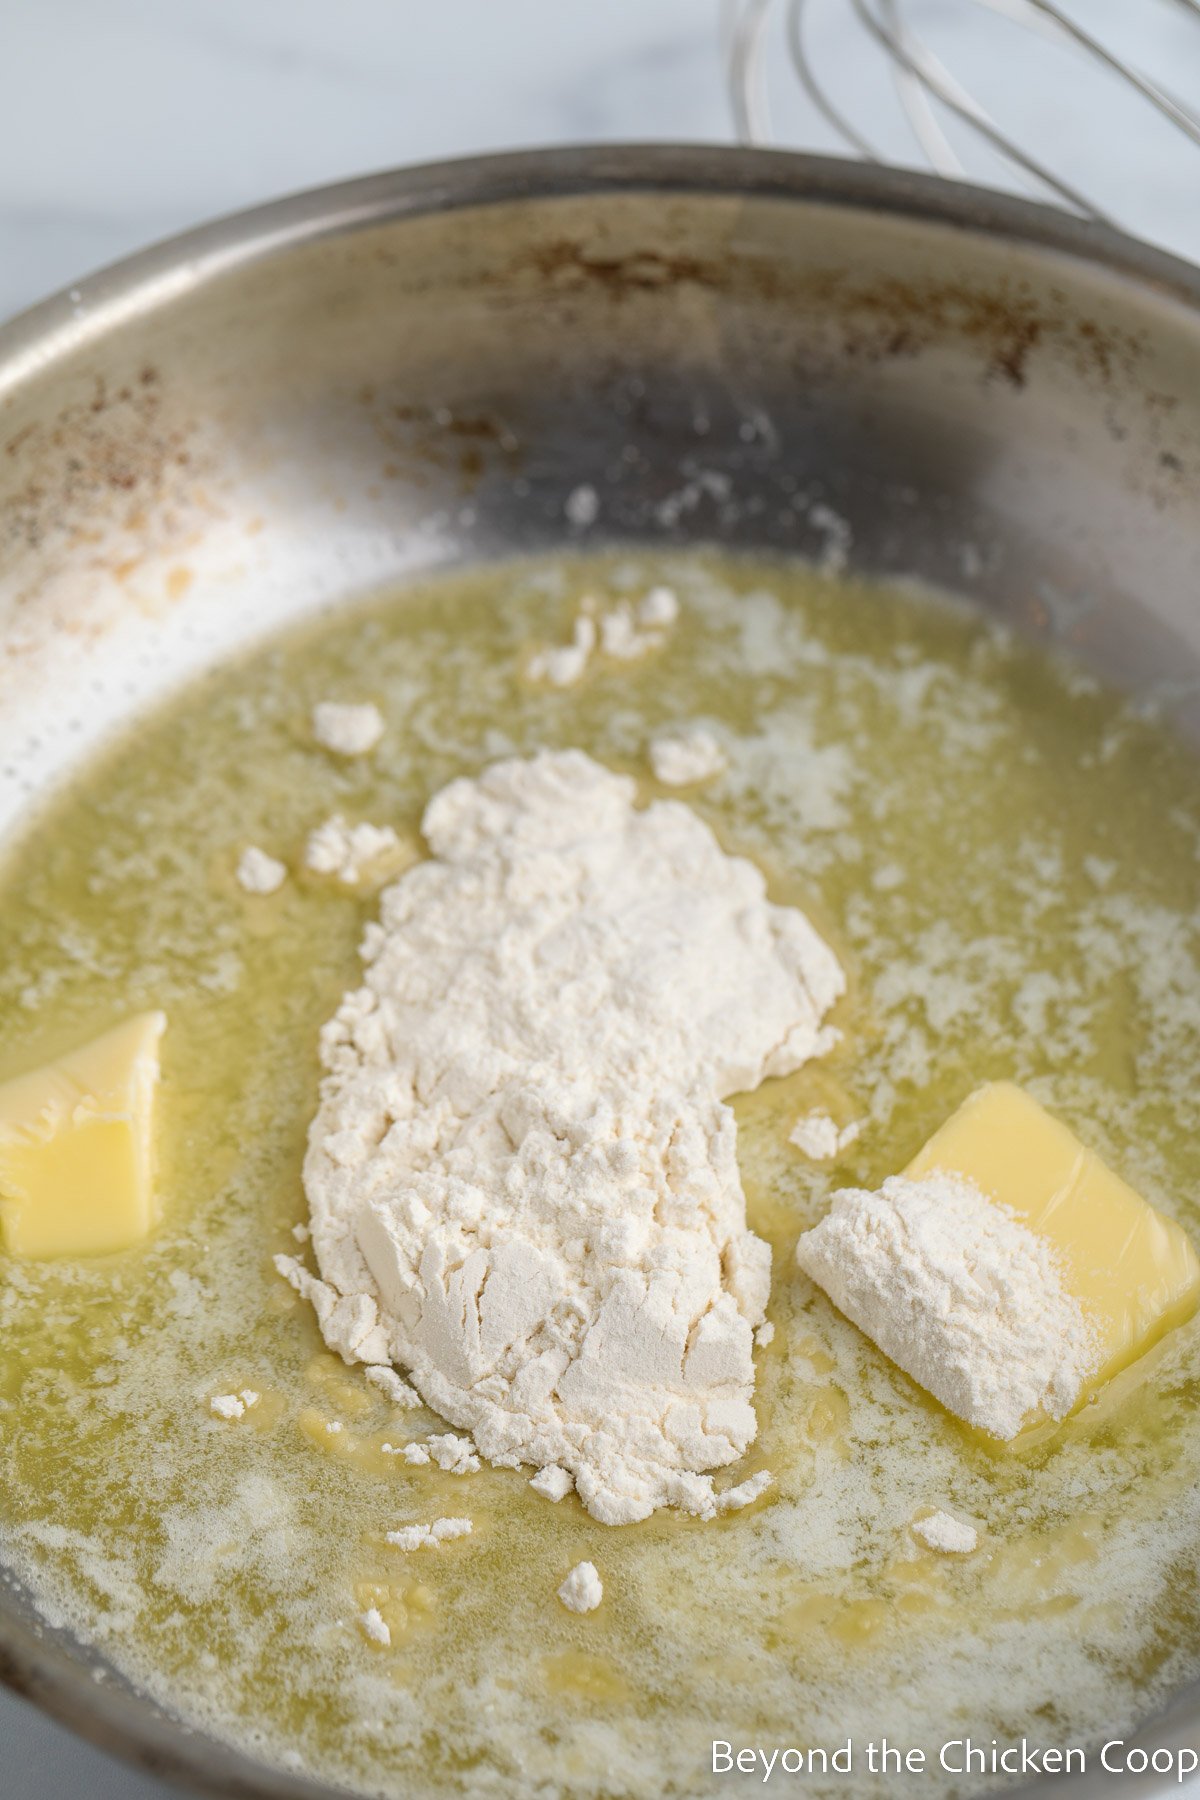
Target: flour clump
258	873
552	1483
683	758
583	1590
522	1178
942	1532
350	852
819	1137
428	1537
375	1627
625	631
348	729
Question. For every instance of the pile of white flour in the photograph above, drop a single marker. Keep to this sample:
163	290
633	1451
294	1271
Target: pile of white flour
523	1182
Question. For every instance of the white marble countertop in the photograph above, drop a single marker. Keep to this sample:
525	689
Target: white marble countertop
126	120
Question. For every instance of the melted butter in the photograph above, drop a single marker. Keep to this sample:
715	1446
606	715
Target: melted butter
580	1675
1041	1575
330	1437
829	1419
224	1564
335	1382
817	1358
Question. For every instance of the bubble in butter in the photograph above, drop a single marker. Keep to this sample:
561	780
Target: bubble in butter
76	1147
1133	1271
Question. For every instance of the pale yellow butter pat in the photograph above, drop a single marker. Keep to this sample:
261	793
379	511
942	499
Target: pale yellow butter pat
1133	1271
77	1147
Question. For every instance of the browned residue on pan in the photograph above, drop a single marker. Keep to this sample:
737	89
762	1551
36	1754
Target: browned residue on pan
871	321
418	438
108	457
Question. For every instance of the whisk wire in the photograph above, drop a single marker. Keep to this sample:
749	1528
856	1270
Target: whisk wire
924	84
913	97
747	82
816	93
924	69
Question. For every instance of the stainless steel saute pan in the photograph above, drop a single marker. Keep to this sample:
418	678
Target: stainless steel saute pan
287	408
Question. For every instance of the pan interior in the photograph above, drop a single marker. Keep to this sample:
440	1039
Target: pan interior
1003	853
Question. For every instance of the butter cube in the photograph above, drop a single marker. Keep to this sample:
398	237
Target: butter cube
76	1147
1007	1270
1133	1271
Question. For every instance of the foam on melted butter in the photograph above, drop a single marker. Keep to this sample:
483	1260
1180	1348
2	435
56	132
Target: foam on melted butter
1132	1269
225	1565
77	1147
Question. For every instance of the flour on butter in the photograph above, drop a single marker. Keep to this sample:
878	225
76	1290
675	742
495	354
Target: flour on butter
522	1178
961	1293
